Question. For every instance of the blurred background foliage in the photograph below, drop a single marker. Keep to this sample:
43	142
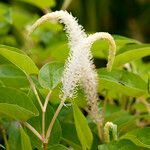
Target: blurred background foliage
124	17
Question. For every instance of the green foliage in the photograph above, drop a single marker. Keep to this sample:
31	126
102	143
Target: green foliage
121	81
50	75
41	59
43	5
25	140
16	105
12	77
57	147
140	137
83	130
131	52
20	60
123	145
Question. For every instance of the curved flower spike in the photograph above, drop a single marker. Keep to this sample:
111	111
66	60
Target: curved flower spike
79	68
106	36
110	128
74	31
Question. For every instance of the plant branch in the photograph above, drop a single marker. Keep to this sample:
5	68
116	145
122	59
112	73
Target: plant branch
54	119
34	131
35	91
100	130
143	100
104	107
43	113
46	100
5	139
66	4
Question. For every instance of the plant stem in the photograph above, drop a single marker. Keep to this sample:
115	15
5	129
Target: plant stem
34	131
35	91
43	124
54	119
43	113
101	122
100	130
5	139
104	108
66	4
143	100
47	100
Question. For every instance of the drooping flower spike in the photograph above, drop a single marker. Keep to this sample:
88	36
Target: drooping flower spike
79	68
74	31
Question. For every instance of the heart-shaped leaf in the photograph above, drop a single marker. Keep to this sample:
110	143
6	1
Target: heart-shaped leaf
50	75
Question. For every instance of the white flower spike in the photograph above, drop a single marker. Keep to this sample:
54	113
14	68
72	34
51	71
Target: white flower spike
79	68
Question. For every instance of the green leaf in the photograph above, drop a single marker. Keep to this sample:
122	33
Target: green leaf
43	5
121	145
17	137
69	135
121	81
83	131
57	147
140	137
130	53
8	16
16	105
100	48
22	61
11	48
50	75
11	76
25	141
14	138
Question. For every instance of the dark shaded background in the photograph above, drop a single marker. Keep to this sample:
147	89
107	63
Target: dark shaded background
125	17
129	18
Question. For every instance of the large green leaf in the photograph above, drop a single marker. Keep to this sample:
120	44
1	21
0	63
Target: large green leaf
121	145
70	135
140	137
50	75
25	140
16	105
83	131
11	76
22	61
14	138
130	53
43	5
121	81
17	137
57	147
